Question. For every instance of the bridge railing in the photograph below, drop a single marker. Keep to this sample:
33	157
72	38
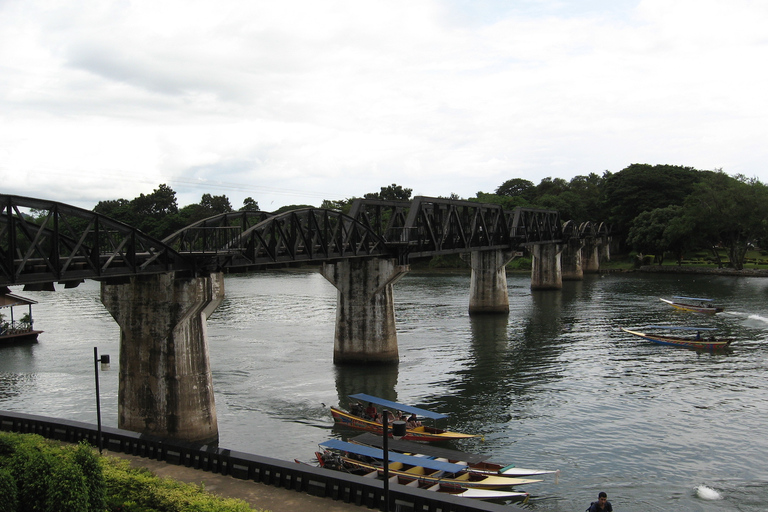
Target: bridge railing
316	481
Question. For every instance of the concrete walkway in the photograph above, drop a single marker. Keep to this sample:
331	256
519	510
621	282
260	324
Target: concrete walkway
258	495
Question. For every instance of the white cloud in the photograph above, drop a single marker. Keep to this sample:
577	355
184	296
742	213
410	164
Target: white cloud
334	99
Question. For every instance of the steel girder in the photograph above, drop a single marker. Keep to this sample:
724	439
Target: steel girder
69	244
305	235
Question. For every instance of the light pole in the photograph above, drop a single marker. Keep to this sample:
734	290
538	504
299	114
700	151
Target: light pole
104	360
398	431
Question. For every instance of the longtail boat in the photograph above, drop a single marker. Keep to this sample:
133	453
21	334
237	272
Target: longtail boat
358	420
474	462
424	470
705	306
331	461
697	342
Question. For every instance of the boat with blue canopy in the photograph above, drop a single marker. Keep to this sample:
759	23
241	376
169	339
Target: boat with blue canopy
705	306
425	470
698	341
359	419
475	462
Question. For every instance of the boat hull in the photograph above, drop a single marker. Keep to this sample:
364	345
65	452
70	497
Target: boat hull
708	345
465	481
428	434
706	310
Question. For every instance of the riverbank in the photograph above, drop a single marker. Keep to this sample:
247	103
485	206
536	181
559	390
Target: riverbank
680	269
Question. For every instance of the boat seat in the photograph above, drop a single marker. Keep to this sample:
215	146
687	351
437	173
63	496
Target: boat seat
372	474
396	466
415	470
463	476
412	483
435	487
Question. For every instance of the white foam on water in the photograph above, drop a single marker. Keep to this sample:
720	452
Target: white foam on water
707	493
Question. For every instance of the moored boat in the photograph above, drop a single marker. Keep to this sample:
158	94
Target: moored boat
334	462
697	342
358	420
13	329
705	306
350	456
475	462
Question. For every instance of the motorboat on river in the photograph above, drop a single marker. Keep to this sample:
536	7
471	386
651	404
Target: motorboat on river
705	306
12	326
698	341
358	419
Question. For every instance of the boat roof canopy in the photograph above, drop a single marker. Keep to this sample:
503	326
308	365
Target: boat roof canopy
399	407
376	453
679	327
423	449
692	298
9	300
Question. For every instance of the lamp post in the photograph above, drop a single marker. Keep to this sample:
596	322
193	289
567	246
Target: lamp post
104	360
398	431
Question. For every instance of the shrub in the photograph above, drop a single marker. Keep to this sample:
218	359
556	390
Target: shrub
8	492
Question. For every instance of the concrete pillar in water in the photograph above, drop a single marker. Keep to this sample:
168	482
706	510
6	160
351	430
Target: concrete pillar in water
488	285
165	387
365	309
604	248
546	273
589	256
570	260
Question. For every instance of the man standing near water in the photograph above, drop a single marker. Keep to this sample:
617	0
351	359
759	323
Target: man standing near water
601	505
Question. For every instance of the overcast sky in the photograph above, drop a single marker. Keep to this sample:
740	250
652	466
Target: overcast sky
296	101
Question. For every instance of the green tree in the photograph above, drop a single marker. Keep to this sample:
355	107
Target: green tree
393	192
250	204
732	212
642	187
516	187
651	232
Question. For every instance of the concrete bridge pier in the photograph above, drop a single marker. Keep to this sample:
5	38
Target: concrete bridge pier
570	261
604	249
546	273
590	256
165	387
488	285
365	309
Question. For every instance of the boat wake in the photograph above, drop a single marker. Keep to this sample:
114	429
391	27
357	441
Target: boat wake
707	493
757	320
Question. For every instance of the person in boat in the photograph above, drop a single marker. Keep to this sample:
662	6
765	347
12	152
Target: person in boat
412	421
698	336
371	412
356	409
601	505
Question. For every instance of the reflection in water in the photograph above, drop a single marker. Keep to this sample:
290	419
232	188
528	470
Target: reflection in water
380	381
555	384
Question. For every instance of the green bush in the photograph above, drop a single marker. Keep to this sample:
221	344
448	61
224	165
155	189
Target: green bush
138	490
8	492
38	475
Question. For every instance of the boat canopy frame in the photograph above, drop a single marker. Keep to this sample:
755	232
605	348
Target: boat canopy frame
692	298
678	327
399	407
400	445
376	453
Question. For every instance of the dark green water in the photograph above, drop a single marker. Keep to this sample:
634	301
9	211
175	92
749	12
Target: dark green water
554	385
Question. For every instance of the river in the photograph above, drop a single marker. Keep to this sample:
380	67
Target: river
554	385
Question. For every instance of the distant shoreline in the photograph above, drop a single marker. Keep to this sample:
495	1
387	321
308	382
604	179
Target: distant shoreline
679	269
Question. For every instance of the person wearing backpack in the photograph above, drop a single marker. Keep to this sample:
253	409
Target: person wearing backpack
601	505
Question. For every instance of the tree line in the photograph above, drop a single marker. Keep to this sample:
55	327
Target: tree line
652	209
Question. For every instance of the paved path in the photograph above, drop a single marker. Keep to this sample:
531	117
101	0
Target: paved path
258	495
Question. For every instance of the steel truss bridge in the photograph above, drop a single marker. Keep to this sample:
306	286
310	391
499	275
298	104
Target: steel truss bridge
43	242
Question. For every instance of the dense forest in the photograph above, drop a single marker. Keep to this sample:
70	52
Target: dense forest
652	209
